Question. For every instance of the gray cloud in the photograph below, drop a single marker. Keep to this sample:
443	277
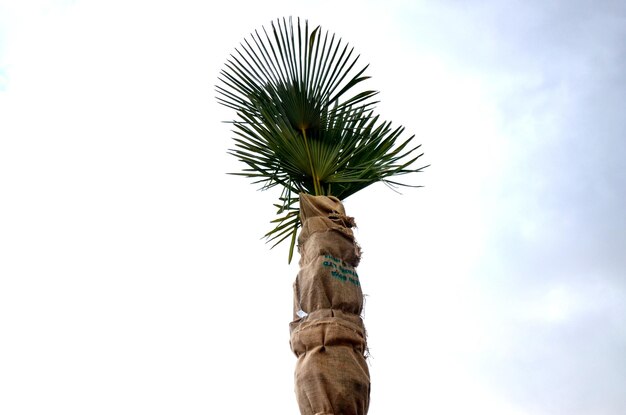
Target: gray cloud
556	216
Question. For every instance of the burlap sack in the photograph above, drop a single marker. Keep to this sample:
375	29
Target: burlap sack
327	283
327	334
327	230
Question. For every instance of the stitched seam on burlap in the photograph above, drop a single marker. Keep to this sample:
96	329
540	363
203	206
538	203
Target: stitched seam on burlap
333	323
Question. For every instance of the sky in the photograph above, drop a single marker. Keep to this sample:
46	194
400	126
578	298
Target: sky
133	275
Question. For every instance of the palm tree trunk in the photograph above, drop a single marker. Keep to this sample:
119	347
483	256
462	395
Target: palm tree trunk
327	334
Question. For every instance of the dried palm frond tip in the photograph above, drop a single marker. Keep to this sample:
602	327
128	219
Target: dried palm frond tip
303	122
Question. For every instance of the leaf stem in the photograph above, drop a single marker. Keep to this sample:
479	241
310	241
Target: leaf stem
317	188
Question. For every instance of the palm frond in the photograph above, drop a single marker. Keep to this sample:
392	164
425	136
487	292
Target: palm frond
303	121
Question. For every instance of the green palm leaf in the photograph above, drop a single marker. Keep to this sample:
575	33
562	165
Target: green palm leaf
303	123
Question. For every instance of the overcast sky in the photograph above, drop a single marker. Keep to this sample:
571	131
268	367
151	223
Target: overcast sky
133	276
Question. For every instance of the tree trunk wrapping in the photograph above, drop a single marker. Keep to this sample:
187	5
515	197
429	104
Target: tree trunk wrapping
331	376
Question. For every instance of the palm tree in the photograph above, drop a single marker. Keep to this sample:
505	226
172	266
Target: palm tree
303	124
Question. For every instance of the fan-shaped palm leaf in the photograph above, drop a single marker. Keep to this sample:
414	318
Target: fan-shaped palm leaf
303	124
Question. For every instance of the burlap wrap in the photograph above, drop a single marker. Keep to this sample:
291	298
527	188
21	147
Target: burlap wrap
331	376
